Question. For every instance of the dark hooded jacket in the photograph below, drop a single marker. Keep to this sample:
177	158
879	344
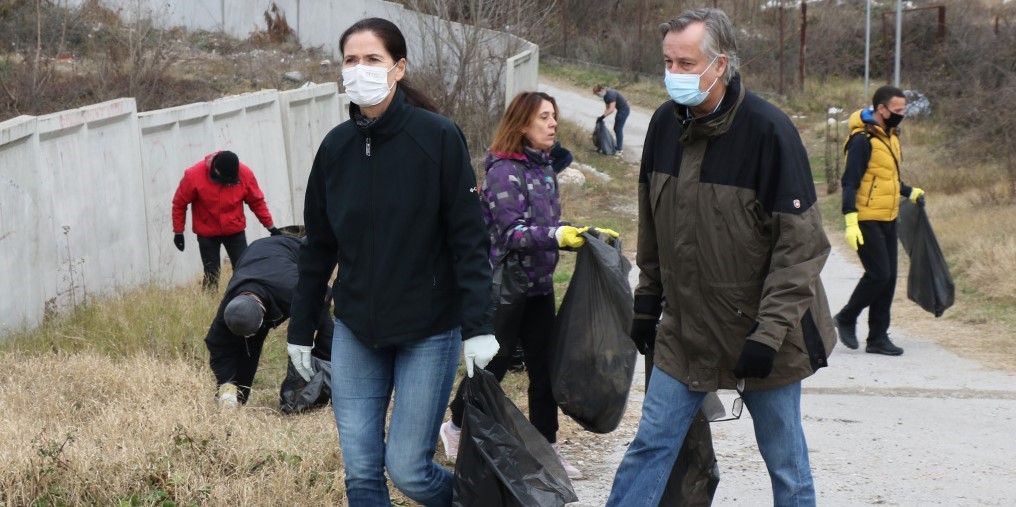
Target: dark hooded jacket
267	268
731	244
395	203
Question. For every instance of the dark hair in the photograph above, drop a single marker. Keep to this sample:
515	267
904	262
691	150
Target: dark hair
597	88
508	138
395	43
884	94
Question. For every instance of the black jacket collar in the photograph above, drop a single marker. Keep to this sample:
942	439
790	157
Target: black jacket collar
390	122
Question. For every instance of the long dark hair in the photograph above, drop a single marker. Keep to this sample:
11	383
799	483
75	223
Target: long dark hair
393	41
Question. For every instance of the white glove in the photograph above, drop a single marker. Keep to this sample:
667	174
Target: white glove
300	356
479	350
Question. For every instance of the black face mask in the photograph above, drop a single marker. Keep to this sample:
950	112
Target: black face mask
893	120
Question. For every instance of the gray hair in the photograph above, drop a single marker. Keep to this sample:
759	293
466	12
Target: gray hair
718	39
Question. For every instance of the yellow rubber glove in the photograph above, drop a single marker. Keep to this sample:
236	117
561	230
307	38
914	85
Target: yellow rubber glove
853	234
570	237
609	232
915	194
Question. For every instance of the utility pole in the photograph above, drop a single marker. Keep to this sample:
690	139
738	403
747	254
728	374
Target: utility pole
899	38
867	48
804	40
780	91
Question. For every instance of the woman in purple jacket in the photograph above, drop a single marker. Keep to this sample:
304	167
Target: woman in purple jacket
522	209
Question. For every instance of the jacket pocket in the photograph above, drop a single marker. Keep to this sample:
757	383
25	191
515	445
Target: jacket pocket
734	305
656	185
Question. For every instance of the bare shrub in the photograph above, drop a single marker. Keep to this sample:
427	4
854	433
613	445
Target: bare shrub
277	29
466	74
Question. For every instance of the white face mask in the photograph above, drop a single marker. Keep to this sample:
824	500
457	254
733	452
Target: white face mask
367	86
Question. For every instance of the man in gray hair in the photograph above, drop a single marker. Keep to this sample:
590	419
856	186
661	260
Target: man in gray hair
730	250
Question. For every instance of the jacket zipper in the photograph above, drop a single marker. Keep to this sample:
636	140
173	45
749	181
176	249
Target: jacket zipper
370	299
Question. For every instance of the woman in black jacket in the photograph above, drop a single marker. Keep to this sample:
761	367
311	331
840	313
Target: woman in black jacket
392	199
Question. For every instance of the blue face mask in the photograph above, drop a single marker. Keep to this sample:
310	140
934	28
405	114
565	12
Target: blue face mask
684	88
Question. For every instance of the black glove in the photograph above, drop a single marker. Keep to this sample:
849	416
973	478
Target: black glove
601	118
643	333
756	360
274	231
560	157
178	241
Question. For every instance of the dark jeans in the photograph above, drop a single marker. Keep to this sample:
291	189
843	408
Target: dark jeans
875	290
210	246
536	334
620	117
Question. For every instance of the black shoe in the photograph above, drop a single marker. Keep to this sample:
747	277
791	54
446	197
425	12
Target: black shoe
882	345
847	332
518	362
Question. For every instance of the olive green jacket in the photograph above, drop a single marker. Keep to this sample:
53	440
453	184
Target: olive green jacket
731	244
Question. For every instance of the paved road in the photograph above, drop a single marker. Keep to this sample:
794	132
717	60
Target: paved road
927	428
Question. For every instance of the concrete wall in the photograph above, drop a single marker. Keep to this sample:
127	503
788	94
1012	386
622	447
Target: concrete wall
307	115
85	194
21	214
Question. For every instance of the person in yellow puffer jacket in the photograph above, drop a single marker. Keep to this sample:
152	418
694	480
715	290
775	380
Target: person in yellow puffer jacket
871	202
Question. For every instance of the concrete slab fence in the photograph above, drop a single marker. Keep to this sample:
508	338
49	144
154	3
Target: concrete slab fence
85	194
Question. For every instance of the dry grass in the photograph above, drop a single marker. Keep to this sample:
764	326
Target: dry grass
88	429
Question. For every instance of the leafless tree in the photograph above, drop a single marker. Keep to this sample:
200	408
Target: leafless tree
465	67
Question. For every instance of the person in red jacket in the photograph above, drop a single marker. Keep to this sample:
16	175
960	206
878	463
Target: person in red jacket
216	189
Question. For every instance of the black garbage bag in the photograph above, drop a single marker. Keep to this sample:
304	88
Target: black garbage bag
503	460
593	360
298	395
929	282
603	138
696	473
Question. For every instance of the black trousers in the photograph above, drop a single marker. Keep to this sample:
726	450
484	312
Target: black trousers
875	291
235	360
535	332
210	248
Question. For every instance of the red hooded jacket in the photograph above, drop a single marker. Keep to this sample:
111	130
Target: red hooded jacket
217	208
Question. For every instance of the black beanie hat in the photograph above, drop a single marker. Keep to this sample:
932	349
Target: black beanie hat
228	165
243	315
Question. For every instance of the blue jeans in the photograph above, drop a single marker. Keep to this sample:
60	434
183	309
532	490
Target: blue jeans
421	374
667	413
619	118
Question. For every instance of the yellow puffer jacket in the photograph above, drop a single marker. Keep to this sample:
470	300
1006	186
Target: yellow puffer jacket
878	196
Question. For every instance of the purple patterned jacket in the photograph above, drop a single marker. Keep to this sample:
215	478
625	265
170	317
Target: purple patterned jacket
520	219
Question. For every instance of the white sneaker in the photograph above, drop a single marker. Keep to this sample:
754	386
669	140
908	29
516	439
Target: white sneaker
450	440
573	473
227	396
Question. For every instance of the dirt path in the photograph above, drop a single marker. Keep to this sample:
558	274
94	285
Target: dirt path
926	428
